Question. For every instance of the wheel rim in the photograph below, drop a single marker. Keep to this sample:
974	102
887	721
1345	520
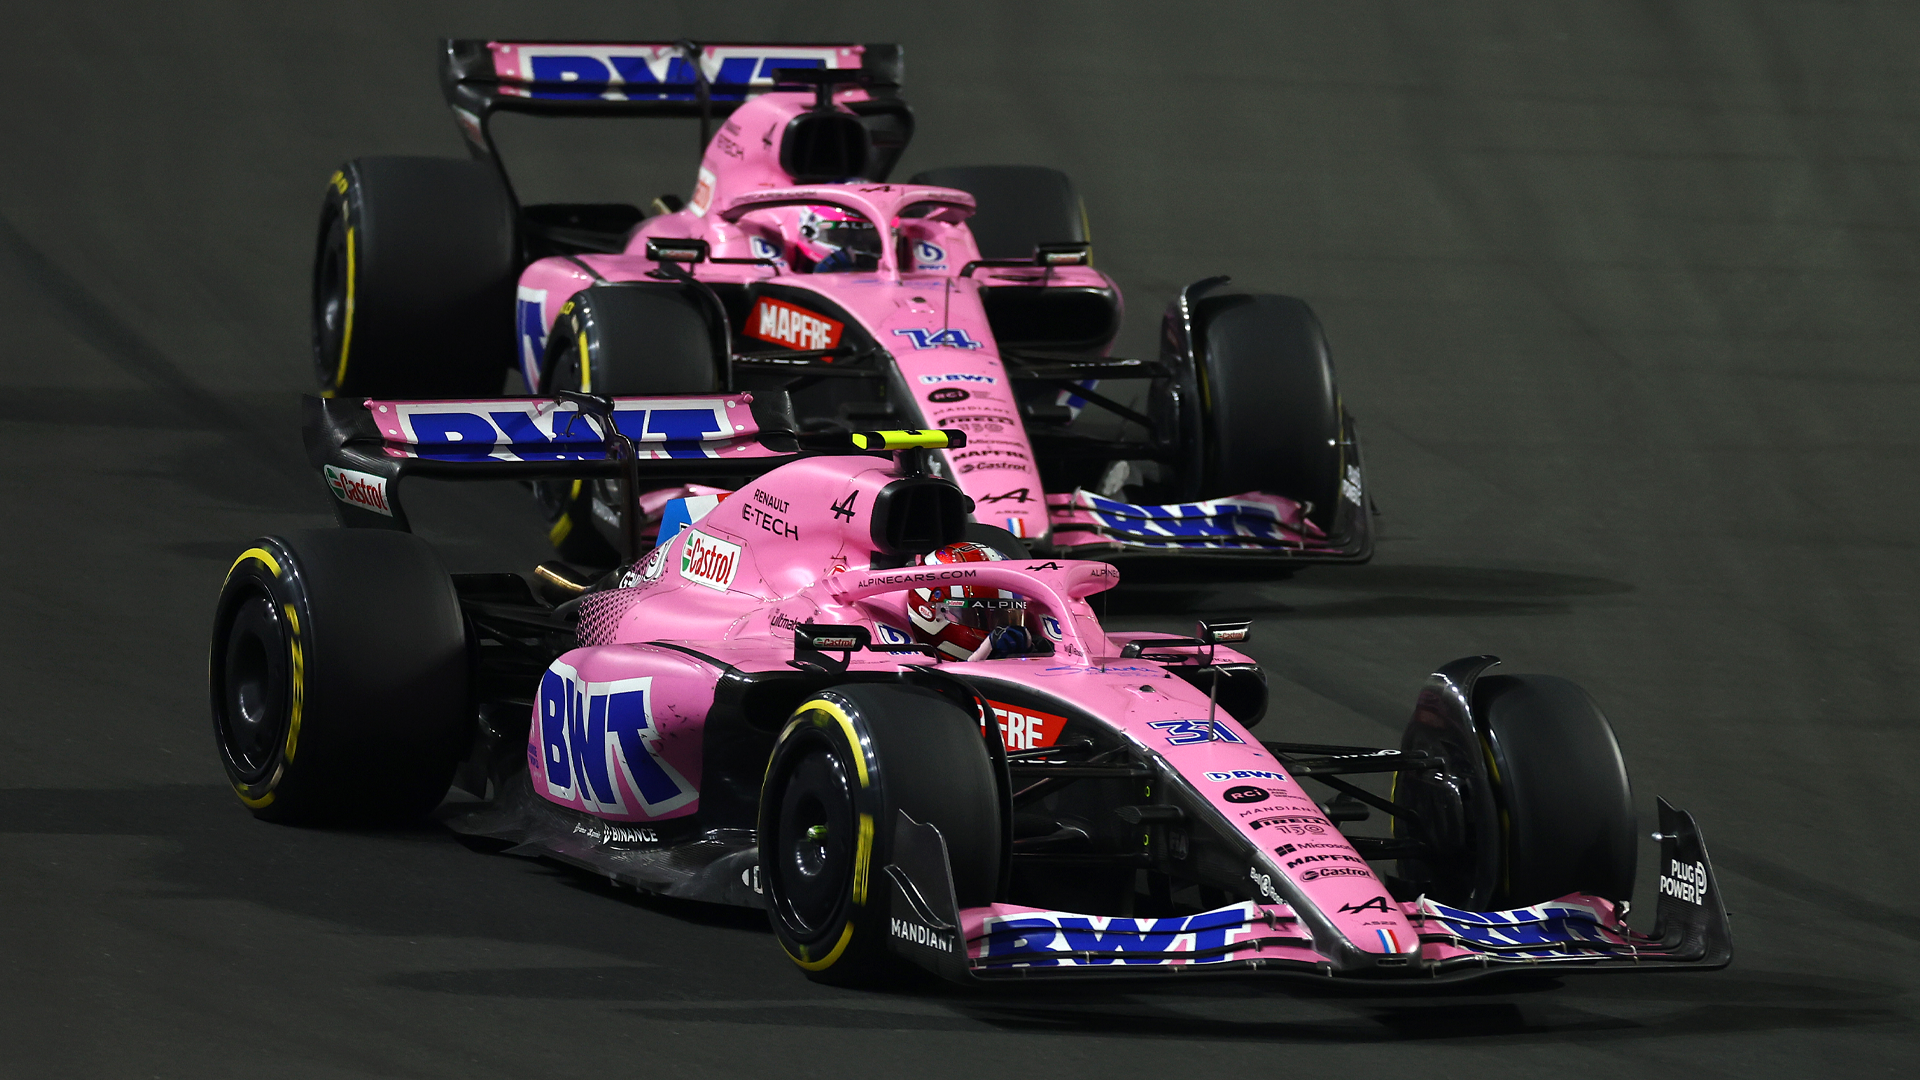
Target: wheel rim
813	849
330	302
254	691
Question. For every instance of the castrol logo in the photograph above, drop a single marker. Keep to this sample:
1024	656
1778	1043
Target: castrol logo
355	488
710	562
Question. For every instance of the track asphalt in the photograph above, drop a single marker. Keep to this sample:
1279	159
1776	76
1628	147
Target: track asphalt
1622	294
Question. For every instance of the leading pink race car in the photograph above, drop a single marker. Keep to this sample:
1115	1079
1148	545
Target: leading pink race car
777	707
965	299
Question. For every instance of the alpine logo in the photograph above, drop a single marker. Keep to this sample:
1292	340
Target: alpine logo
795	327
710	562
940	339
364	490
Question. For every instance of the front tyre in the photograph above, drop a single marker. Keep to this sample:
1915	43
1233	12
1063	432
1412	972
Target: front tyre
338	676
1263	400
1560	782
848	762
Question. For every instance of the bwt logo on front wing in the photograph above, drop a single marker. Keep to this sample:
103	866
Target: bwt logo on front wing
597	746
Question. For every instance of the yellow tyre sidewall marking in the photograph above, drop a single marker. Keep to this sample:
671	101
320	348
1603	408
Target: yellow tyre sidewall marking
846	726
297	662
863	854
827	961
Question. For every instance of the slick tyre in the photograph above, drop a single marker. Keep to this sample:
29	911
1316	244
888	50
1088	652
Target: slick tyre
413	280
623	340
339	677
849	760
1018	206
1561	786
1264	403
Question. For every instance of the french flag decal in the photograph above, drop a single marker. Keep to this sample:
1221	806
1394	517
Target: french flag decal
1389	941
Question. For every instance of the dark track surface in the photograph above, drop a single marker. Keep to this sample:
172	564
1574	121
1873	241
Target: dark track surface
1622	294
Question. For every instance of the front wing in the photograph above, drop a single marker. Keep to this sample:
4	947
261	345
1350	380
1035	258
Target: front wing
1574	933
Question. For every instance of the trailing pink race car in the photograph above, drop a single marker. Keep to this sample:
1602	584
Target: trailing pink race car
965	298
831	694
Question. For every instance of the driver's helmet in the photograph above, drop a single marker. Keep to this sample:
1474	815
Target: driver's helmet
958	620
834	239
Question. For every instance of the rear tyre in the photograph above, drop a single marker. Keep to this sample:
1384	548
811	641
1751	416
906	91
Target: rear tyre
846	764
637	339
1017	207
1561	785
1262	397
413	280
338	677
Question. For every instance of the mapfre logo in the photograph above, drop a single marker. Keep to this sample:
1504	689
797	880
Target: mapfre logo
364	490
1027	729
710	562
795	327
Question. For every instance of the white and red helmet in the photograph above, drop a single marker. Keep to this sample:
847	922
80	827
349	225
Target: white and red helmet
960	620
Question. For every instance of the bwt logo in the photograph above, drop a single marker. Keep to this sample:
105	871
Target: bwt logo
469	431
959	377
938	339
597	746
618	73
1049	938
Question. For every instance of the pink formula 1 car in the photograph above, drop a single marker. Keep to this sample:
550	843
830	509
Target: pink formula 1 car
777	708
963	299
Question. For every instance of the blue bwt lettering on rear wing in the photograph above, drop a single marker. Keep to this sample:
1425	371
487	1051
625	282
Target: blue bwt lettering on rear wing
365	448
558	71
635	78
682	78
541	429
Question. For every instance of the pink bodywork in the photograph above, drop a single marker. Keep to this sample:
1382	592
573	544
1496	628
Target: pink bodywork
733	585
745	206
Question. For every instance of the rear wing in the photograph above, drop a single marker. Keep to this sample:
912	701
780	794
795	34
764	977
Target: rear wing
365	447
660	79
